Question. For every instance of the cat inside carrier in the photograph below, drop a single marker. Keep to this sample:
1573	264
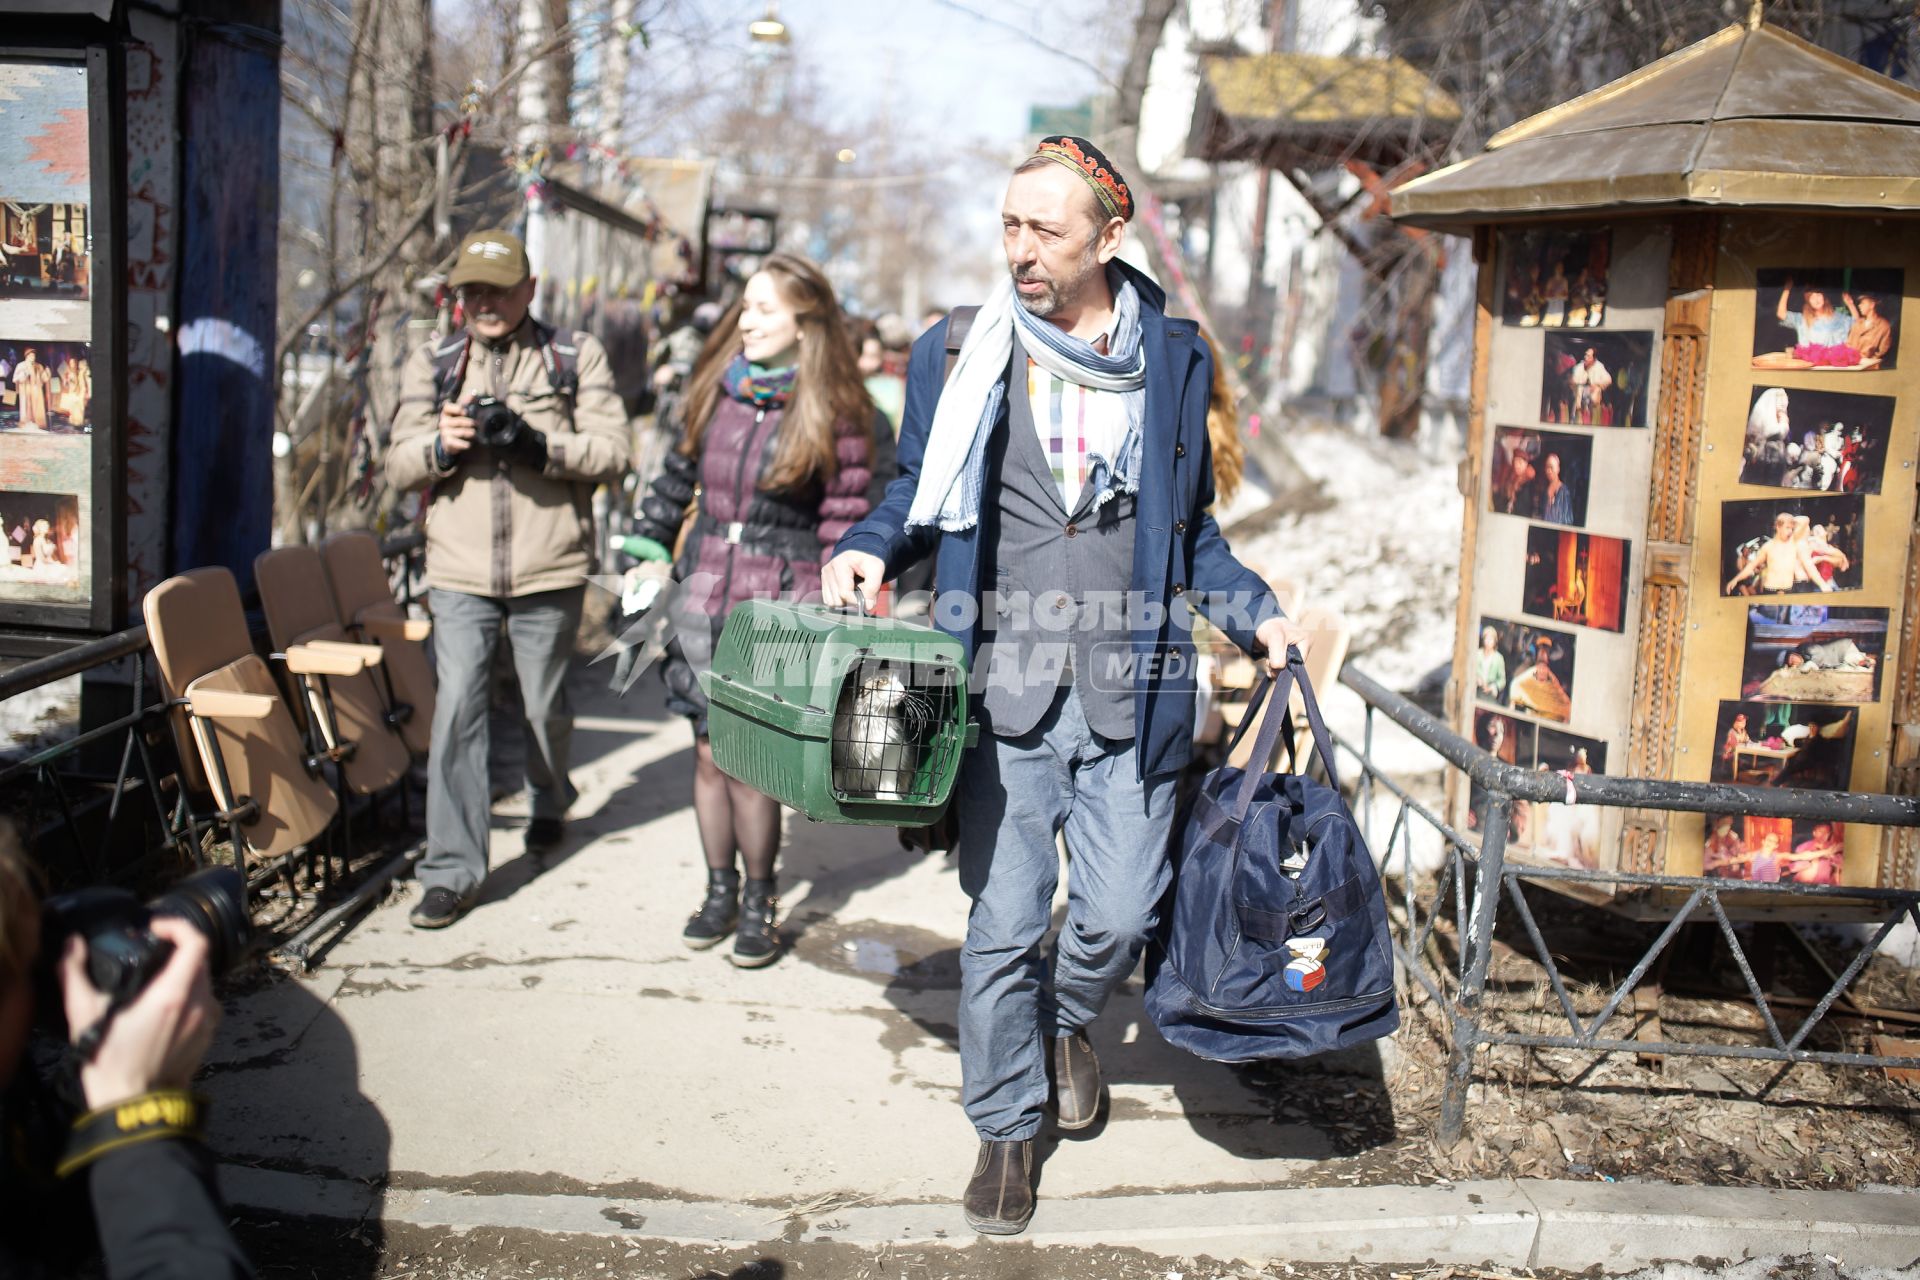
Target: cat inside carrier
843	717
886	730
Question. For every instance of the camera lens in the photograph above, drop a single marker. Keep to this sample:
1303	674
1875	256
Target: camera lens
214	901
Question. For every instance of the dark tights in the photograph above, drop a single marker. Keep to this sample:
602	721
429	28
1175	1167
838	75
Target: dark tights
732	816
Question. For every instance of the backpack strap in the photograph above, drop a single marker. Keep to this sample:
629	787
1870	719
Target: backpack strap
560	358
959	324
449	367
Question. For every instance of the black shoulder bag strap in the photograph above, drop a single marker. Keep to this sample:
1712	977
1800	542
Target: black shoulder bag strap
959	324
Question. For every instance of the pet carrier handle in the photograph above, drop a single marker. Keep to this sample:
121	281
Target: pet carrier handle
859	606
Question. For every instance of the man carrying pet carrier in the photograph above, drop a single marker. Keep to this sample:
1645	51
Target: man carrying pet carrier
1060	477
509	426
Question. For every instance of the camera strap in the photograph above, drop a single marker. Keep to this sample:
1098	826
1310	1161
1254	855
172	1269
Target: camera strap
164	1113
87	1043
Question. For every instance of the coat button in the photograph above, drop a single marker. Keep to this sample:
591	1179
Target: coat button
1179	451
1179	588
1073	530
1179	526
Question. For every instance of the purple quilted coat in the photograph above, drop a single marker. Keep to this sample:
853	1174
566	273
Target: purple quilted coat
749	542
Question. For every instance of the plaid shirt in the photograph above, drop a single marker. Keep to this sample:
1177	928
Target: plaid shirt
1073	422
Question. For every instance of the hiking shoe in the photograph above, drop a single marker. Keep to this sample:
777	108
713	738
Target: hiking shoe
999	1200
717	914
1074	1071
437	908
755	941
544	833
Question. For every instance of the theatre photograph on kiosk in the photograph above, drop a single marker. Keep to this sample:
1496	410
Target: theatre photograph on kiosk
1814	653
1596	379
1575	577
1799	544
1556	279
1542	475
1827	319
1827	441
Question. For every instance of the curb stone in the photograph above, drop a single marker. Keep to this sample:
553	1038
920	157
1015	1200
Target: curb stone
1538	1223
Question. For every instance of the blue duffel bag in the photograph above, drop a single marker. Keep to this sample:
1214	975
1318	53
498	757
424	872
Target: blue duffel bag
1273	941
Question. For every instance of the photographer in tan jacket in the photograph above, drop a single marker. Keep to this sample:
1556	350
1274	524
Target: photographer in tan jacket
509	426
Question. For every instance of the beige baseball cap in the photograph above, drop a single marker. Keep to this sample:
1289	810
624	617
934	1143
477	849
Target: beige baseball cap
490	257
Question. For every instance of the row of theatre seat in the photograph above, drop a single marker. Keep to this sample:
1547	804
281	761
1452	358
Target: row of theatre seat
350	658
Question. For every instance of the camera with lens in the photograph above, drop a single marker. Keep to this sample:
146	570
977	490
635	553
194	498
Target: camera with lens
123	954
494	423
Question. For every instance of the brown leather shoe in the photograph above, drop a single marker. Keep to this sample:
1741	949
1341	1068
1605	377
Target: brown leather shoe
1075	1072
1000	1195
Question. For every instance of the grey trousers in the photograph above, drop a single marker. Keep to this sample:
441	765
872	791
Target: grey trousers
1016	795
466	629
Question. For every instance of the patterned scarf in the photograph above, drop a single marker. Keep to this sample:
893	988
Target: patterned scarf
758	385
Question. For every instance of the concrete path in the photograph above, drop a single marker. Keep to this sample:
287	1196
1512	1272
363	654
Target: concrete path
559	1060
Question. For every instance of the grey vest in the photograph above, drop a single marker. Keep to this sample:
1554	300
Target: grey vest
1057	584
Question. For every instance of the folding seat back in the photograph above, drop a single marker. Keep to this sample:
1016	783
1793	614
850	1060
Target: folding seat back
364	601
239	740
345	707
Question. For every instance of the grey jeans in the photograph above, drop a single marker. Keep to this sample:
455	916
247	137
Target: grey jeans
466	629
1016	795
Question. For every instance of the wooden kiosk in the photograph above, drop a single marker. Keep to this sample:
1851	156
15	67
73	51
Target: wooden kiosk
1690	550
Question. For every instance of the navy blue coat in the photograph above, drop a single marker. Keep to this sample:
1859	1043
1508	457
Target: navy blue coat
1179	554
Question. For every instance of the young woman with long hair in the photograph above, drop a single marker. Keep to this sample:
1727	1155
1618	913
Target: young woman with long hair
776	460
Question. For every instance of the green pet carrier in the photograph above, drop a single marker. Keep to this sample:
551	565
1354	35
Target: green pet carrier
843	717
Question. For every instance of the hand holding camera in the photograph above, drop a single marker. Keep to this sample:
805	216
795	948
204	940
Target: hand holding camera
136	979
505	432
158	1040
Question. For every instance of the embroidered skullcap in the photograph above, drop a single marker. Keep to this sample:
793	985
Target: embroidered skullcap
1094	168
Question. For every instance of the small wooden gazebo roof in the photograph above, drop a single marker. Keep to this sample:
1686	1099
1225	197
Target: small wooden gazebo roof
1749	117
1302	110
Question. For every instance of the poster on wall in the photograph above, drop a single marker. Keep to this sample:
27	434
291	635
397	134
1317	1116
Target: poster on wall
1787	545
46	231
1542	475
45	386
1771	850
1526	667
1784	744
1596	379
47	451
44	552
1556	279
1830	319
1827	441
1813	653
1579	578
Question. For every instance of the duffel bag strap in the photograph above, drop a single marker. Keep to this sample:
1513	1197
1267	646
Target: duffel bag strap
1322	740
1274	716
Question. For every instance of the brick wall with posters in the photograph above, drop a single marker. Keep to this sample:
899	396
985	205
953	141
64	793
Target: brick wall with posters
153	109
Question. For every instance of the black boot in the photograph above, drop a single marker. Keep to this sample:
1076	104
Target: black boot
757	942
717	914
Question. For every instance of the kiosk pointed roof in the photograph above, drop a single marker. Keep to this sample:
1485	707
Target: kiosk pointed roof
1749	117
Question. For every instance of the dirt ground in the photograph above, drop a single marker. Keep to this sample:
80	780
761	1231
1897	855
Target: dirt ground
1693	1120
310	1251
